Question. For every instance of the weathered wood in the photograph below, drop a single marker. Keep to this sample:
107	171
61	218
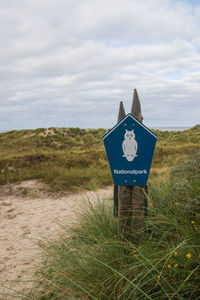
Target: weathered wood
136	107
138	209
115	207
131	199
131	211
124	211
121	115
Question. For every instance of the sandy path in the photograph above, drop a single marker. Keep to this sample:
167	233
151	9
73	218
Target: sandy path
25	216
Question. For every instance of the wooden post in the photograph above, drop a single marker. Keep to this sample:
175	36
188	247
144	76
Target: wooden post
131	199
136	107
121	115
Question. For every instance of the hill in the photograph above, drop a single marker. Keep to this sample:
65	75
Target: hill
74	158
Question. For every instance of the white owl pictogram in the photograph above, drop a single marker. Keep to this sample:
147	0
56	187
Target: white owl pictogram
129	145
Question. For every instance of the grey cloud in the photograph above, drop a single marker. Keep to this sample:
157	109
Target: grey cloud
67	65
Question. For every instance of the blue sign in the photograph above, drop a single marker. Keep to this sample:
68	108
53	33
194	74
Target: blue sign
130	147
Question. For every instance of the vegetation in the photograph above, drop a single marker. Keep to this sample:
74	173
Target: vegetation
90	261
65	158
94	263
74	158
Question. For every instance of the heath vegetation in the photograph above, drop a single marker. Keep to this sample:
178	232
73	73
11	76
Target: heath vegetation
74	158
90	260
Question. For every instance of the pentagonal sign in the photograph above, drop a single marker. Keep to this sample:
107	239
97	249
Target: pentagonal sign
130	147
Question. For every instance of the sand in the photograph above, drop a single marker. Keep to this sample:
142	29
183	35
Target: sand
27	214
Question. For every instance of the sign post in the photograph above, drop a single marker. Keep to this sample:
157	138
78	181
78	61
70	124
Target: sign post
130	146
121	115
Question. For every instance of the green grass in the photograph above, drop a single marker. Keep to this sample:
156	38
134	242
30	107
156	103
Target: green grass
173	147
74	158
64	158
93	262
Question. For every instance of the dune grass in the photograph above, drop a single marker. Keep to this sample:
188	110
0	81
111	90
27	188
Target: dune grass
64	158
74	158
93	262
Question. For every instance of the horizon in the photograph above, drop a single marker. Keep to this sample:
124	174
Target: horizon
161	128
72	64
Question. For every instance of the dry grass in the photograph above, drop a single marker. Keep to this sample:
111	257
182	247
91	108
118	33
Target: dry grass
74	158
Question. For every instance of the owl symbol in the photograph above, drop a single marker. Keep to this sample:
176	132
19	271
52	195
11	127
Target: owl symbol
129	145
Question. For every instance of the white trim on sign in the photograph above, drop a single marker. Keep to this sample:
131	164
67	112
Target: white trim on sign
109	132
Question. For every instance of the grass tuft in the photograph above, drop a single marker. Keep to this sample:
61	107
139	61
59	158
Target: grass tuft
91	261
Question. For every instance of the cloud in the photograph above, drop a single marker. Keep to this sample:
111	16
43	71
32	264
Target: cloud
69	65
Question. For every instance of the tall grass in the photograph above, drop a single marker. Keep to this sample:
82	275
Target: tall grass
90	260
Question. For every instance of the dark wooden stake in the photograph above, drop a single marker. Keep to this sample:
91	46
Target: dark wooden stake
121	115
131	199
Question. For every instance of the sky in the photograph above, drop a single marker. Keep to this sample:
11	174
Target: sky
69	63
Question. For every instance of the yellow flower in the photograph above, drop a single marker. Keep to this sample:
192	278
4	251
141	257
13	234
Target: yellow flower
175	253
195	227
133	252
169	266
192	222
139	247
176	265
158	276
188	255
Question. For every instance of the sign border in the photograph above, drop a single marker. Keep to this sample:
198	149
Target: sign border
129	114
